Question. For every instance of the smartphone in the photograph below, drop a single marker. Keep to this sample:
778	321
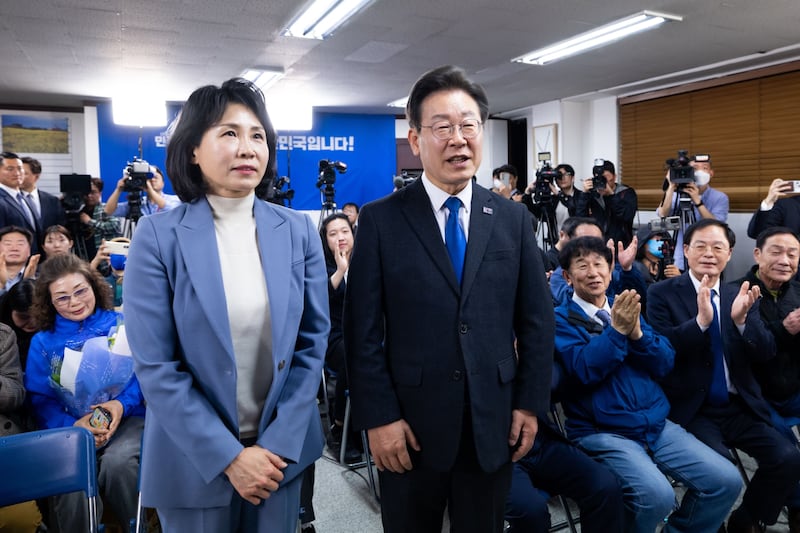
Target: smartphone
795	185
101	418
117	247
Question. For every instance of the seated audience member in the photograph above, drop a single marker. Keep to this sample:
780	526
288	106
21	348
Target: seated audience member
613	205
778	208
96	225
16	261
776	254
624	276
707	202
72	304
651	261
616	411
57	240
15	312
718	334
336	233
555	466
151	200
23	517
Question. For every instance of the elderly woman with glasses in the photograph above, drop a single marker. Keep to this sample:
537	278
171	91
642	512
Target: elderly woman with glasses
72	304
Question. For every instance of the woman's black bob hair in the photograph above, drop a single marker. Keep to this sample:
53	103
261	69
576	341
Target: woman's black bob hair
202	110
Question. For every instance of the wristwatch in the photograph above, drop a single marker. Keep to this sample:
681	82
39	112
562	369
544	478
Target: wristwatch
698	204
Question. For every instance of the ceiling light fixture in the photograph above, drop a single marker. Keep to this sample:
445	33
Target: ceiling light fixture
596	38
263	78
320	19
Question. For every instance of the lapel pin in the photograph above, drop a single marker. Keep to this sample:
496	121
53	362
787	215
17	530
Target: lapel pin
487	210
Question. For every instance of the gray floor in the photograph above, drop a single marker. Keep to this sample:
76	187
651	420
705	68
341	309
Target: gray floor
343	502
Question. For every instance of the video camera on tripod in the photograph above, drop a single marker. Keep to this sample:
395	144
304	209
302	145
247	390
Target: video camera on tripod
137	172
545	178
327	179
277	194
74	188
681	173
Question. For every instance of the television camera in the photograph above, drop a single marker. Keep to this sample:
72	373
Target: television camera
681	173
325	183
137	172
280	193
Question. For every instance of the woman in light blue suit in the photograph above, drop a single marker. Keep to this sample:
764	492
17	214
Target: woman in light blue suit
226	308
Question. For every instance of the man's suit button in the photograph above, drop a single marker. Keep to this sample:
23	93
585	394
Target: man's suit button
457	375
281	364
463	328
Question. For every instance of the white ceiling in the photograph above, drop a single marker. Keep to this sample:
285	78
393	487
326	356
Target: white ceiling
68	52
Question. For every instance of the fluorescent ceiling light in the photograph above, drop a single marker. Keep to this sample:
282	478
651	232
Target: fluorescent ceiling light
138	110
320	19
262	78
400	102
594	39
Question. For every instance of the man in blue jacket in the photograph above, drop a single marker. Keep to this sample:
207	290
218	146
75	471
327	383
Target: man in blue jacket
616	410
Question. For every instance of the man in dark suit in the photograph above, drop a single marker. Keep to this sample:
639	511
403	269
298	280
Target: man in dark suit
717	334
430	328
15	209
47	207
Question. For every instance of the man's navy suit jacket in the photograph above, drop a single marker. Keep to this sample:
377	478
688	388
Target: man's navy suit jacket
672	311
424	349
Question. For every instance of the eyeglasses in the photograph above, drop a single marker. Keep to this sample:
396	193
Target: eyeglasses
64	300
469	129
702	247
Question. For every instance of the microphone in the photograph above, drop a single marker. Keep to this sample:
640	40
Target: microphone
398	182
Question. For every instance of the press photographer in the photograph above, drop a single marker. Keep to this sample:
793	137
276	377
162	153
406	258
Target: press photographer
86	218
144	184
613	205
689	196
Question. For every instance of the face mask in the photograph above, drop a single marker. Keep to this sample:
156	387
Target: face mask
701	177
654	247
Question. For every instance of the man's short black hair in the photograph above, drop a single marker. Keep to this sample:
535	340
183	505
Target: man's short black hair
9	155
5	230
444	78
761	240
353	204
36	166
706	222
581	247
608	165
566	168
511	169
202	110
571	224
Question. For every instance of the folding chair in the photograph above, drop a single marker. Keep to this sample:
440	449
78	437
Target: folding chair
49	463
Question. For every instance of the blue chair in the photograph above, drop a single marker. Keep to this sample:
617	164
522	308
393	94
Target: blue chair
48	463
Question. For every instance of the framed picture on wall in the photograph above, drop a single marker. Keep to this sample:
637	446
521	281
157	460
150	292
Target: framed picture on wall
545	140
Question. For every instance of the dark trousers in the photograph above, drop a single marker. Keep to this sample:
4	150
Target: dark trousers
554	467
416	500
735	425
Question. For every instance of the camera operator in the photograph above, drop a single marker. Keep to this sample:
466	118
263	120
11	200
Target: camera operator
707	202
655	257
154	200
95	224
613	205
563	194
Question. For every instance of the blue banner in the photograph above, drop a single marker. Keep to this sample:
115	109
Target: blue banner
365	143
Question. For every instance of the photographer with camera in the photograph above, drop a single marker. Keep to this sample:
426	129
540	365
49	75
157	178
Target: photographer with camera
655	256
151	190
692	186
94	224
613	205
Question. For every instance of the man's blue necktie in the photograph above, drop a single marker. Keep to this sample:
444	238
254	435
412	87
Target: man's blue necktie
718	391
604	317
454	237
26	208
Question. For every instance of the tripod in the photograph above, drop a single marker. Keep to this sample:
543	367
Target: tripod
74	226
133	215
328	204
547	229
684	210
